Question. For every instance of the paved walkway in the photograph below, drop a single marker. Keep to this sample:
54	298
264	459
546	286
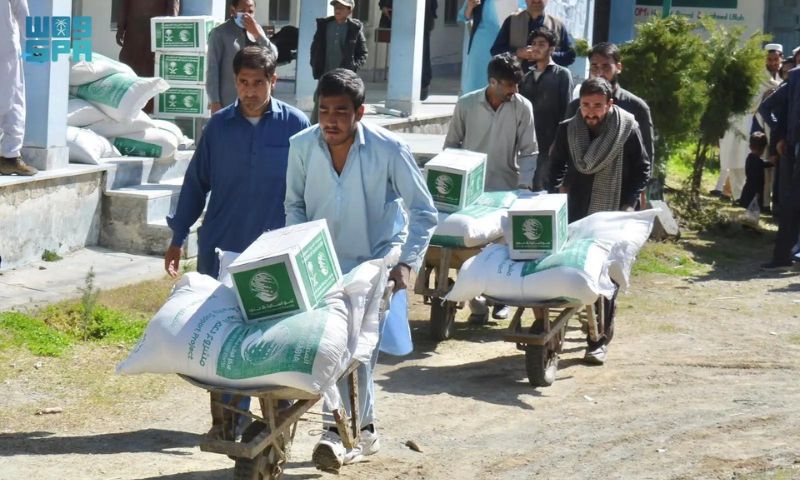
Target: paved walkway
43	282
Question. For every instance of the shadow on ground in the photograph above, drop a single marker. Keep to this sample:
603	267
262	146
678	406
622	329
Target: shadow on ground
207	475
48	443
228	473
733	253
498	380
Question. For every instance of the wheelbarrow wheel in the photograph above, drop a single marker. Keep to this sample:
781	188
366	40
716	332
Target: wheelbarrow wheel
541	361
265	466
443	319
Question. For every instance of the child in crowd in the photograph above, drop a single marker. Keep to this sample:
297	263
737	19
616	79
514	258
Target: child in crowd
754	171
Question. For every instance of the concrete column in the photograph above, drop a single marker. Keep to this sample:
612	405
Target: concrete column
46	94
580	69
621	23
305	85
405	56
216	8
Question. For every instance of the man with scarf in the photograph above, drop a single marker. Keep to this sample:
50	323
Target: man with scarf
599	160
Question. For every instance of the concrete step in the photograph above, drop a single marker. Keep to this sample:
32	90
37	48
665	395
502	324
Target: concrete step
131	171
170	168
127	171
134	218
147	202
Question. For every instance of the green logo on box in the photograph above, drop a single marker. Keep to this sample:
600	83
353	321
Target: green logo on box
266	291
182	68
532	232
177	35
475	183
181	100
316	268
445	187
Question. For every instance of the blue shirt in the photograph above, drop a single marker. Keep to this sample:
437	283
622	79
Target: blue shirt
244	167
379	201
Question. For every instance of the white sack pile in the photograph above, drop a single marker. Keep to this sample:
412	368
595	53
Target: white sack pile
475	225
87	147
200	332
601	248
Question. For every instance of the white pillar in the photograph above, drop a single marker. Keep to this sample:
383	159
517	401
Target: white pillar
215	8
305	85
405	56
46	94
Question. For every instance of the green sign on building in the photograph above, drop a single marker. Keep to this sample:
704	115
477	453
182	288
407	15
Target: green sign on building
691	3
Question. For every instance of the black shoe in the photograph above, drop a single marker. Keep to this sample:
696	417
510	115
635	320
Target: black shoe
777	266
715	193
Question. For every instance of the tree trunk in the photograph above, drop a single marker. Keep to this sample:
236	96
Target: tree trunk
700	156
658	170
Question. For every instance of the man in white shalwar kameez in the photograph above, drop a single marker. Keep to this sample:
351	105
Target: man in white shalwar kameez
12	88
734	146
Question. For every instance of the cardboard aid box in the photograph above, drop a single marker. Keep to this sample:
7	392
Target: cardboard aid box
189	34
286	271
537	226
181	67
455	178
182	101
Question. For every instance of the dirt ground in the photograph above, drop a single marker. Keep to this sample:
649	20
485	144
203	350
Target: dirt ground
701	382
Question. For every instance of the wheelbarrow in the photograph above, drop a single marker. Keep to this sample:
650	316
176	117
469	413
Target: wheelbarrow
543	339
263	449
434	282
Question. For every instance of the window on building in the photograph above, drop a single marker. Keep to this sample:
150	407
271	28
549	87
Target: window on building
451	11
280	11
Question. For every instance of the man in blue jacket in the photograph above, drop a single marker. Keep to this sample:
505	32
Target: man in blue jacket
241	161
781	111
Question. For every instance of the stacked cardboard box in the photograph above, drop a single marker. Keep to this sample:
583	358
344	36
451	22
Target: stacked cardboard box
455	178
286	271
537	226
180	45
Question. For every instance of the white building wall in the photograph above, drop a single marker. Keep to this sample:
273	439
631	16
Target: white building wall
750	13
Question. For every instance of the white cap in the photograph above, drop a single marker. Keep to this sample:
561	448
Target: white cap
774	46
794	52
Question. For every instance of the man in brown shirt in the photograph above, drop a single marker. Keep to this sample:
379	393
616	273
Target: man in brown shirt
133	31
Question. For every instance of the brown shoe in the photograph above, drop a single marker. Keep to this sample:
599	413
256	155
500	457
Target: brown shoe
11	166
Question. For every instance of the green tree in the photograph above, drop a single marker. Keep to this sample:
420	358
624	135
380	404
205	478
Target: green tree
665	66
733	76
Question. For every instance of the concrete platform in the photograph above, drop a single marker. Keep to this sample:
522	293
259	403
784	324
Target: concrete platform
42	283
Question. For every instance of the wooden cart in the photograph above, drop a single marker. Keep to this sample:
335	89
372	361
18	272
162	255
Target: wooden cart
262	451
543	339
434	282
